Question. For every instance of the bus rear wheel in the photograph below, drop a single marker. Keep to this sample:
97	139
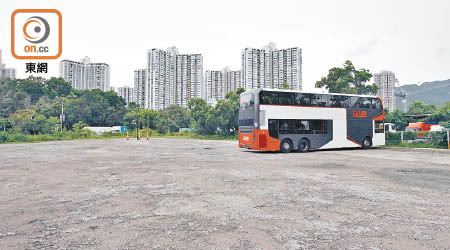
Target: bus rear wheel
304	145
367	143
286	146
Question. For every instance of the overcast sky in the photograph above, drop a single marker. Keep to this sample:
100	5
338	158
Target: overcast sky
408	37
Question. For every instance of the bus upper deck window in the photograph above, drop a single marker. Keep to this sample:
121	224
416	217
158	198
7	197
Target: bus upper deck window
364	103
246	101
376	104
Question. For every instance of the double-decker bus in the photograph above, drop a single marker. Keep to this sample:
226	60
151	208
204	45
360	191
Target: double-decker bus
279	120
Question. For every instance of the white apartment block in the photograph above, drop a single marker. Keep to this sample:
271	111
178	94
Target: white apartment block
127	93
140	93
215	86
189	78
173	79
254	65
161	78
385	80
287	68
272	68
85	75
219	83
233	80
6	72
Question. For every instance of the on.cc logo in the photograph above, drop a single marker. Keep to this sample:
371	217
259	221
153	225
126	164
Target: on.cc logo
36	29
36	34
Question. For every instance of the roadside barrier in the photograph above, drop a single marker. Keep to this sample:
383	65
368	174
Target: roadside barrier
433	139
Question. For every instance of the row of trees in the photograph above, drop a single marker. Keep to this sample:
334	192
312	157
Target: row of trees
223	118
349	80
439	115
34	106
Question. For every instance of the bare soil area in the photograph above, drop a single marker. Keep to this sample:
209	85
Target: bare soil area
200	194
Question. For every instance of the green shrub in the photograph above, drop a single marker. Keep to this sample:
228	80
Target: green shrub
3	137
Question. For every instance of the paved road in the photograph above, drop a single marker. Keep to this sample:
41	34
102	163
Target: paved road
198	194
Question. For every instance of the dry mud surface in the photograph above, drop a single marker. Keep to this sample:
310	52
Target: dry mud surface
199	194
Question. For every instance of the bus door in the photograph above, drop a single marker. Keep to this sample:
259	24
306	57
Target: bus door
378	133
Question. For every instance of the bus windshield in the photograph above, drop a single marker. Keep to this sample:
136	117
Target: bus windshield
246	101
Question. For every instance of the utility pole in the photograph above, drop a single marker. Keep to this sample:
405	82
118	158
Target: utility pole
137	128
62	114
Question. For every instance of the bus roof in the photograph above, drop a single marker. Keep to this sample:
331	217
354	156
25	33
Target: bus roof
293	91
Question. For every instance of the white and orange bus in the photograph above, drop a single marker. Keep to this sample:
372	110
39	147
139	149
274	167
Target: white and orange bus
279	120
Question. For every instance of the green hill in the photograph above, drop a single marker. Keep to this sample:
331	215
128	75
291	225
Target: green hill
437	93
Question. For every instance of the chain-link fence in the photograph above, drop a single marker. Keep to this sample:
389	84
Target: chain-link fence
431	139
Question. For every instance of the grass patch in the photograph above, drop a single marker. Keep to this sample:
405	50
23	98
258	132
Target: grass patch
417	145
7	137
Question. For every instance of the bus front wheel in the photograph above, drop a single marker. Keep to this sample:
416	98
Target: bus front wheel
367	143
304	145
286	146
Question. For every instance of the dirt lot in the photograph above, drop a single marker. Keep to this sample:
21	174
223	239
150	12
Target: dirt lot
197	194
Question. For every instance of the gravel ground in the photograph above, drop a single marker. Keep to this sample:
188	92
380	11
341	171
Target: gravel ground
199	194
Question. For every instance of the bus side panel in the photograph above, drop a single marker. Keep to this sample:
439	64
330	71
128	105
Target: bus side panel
337	115
265	142
360	124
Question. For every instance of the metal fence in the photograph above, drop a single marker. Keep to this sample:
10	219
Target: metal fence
433	139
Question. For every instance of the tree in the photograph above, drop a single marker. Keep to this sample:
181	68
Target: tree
27	121
148	118
347	80
418	108
173	118
228	112
397	117
203	116
57	87
33	86
133	106
41	99
442	116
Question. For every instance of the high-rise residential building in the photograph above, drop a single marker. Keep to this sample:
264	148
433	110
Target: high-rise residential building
287	68
233	80
85	75
218	83
385	80
6	72
173	78
141	92
127	93
161	78
272	68
253	68
189	78
214	86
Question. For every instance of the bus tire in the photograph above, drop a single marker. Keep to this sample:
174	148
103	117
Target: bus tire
367	143
286	146
304	145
